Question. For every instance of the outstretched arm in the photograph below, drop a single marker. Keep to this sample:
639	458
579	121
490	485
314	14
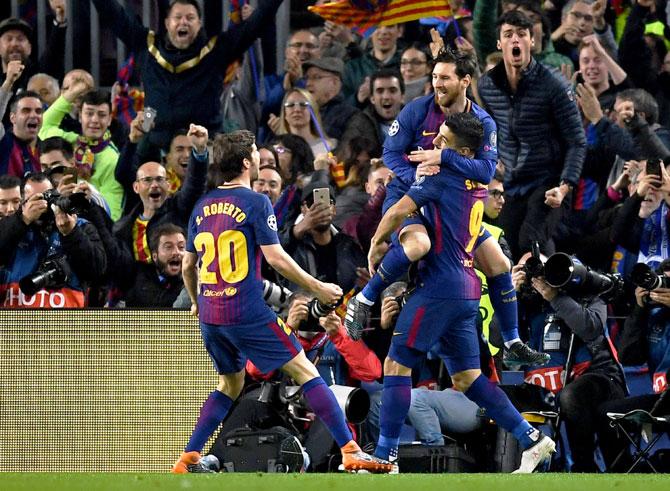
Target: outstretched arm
127	27
233	43
277	257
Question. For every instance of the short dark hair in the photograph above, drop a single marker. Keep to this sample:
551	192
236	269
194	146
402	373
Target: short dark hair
34	177
302	161
8	181
467	129
643	101
387	73
514	18
275	155
230	149
194	3
22	95
159	231
96	98
466	63
57	143
179	132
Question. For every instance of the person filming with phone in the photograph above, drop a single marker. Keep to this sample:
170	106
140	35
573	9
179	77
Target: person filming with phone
317	245
641	225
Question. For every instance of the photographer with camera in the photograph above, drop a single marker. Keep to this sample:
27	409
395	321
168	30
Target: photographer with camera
570	325
49	253
645	338
339	359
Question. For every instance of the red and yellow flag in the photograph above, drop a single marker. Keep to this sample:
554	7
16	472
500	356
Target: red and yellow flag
370	13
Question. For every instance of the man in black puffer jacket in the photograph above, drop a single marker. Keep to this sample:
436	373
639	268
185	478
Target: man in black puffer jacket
542	141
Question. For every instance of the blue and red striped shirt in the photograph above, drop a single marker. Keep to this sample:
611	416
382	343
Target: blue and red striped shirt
226	229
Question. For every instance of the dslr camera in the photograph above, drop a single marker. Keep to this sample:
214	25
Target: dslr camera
316	310
75	203
51	274
645	277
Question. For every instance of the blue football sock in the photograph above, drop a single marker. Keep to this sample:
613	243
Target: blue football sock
503	300
212	413
488	396
393	266
324	404
396	398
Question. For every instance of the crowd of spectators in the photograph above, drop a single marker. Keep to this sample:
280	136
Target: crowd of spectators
93	209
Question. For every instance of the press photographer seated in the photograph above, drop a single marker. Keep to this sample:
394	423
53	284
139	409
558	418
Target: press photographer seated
51	254
645	338
340	361
568	321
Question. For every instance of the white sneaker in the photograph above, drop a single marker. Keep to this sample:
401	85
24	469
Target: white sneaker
535	455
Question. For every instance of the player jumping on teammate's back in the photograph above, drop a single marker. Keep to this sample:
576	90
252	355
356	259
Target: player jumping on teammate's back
441	313
418	128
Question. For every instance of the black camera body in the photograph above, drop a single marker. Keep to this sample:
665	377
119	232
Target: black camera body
75	203
53	273
533	267
643	276
315	310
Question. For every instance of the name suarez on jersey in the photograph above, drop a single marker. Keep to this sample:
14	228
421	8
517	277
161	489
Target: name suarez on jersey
222	208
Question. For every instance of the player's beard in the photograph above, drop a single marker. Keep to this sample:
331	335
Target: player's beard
162	267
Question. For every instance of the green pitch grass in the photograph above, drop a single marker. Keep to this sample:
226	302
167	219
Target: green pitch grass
333	482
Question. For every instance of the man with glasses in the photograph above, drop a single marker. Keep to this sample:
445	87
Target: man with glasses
323	79
156	207
579	19
302	47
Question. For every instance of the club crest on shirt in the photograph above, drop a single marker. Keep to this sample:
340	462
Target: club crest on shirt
272	222
395	126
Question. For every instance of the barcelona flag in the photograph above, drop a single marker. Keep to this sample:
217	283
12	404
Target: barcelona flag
364	14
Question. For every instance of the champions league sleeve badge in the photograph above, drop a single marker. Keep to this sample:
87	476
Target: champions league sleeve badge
395	126
272	223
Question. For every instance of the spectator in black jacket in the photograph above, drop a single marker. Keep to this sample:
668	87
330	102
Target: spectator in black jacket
541	143
183	70
637	111
323	77
156	207
318	247
386	100
158	284
16	44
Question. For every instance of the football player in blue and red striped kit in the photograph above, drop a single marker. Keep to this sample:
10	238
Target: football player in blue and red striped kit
441	314
229	229
410	142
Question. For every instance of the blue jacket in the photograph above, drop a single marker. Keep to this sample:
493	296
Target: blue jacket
540	135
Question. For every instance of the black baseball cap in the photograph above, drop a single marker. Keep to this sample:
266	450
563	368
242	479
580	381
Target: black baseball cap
14	23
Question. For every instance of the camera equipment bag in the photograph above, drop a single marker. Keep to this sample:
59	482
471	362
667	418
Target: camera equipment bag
275	449
430	459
